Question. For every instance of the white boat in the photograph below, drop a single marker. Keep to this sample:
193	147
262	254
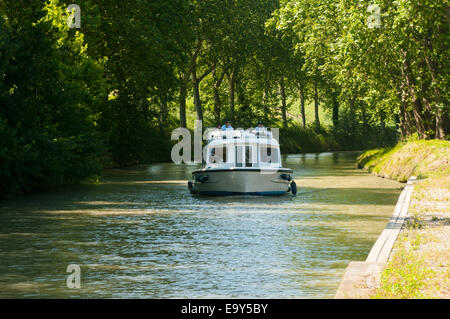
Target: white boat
242	163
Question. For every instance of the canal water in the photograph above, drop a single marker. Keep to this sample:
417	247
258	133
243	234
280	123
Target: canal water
140	234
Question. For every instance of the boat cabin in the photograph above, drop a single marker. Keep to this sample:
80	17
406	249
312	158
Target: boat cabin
239	149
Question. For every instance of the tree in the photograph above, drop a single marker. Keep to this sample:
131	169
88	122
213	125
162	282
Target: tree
373	67
49	91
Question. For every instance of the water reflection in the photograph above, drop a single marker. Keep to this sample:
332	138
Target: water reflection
141	234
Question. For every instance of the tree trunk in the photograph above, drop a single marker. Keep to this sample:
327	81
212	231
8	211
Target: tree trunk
405	118
217	104
382	122
316	103
231	83
403	122
408	120
440	131
417	105
266	96
283	103
335	109
264	102
351	105
217	82
216	97
196	83
163	113
182	100
302	105
196	93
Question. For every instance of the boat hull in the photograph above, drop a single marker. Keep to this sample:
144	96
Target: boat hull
223	182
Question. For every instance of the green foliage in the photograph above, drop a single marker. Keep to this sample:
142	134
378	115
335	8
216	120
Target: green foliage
296	139
415	221
415	158
110	93
405	277
396	71
48	88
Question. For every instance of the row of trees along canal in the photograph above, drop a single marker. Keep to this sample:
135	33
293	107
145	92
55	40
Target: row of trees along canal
109	93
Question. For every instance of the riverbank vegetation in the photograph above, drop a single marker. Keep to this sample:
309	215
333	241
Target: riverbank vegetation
419	264
421	158
74	100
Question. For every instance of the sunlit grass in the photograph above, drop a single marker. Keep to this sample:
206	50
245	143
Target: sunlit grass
419	265
405	277
416	158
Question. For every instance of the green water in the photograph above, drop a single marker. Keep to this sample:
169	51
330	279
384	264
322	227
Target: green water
140	234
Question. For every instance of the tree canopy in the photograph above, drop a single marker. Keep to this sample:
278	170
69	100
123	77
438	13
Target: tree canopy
74	100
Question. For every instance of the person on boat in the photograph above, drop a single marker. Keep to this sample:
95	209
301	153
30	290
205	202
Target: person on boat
260	127
214	133
227	126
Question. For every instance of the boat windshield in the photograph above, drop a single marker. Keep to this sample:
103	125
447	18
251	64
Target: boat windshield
229	155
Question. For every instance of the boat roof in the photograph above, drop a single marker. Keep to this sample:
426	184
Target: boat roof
216	137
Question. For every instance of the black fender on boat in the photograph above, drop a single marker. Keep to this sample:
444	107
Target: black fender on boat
191	187
293	188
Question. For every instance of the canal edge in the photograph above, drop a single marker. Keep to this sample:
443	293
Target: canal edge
361	277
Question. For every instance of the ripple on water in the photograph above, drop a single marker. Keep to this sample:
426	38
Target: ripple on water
141	234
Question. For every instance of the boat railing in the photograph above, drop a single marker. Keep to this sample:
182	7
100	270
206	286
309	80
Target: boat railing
234	134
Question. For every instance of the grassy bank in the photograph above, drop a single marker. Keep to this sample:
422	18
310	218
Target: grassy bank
422	158
419	263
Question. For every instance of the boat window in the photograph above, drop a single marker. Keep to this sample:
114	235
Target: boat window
243	156
239	152
248	156
269	154
218	154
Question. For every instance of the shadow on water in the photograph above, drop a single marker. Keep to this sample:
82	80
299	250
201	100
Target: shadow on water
141	234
